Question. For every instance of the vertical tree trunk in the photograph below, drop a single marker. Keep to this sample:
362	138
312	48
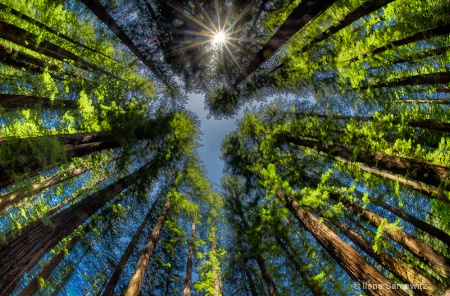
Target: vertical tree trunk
217	280
350	260
270	284
188	277
427	254
20	253
134	287
249	277
423	286
109	289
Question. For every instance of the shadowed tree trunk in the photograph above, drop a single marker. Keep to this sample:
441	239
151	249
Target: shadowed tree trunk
188	277
97	8
134	287
305	12
270	284
17	101
217	280
443	102
37	238
29	40
423	286
420	79
419	170
109	290
427	254
47	28
351	261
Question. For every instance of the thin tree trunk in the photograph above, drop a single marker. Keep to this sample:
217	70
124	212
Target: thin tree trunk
97	8
422	285
134	287
427	254
419	170
29	40
425	190
443	102
217	280
188	277
315	288
37	238
420	79
351	261
270	284
109	290
300	16
47	28
249	277
18	101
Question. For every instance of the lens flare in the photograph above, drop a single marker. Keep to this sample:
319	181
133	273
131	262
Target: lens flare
220	37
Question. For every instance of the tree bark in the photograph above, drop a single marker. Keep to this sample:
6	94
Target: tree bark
97	8
109	290
37	238
270	284
9	101
217	280
350	260
188	277
427	254
47	28
420	79
29	40
365	9
135	284
302	14
422	285
443	102
419	170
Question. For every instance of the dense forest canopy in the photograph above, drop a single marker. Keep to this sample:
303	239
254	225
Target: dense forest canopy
339	186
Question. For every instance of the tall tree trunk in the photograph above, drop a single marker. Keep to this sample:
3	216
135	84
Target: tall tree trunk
217	280
422	189
47	28
97	8
270	284
134	287
420	79
9	101
109	290
315	288
417	223
188	277
443	102
439	31
249	277
37	238
365	9
300	16
351	261
75	145
419	170
422	285
29	40
427	254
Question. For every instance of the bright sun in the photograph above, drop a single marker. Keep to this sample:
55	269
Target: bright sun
219	37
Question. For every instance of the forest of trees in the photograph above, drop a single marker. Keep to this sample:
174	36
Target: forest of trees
340	185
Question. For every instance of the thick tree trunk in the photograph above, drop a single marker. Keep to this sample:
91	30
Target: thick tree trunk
109	289
18	101
427	254
419	170
29	40
134	287
188	277
351	261
365	9
302	14
422	285
37	238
